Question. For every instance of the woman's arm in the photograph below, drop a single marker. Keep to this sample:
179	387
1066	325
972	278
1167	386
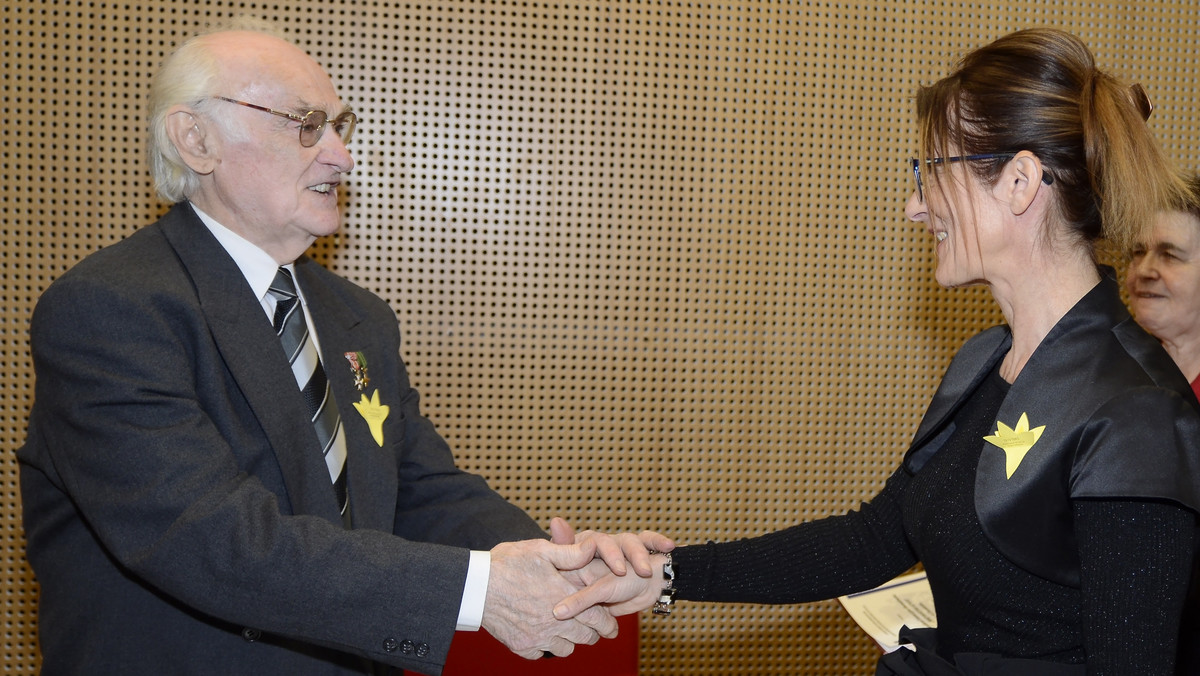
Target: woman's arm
1136	559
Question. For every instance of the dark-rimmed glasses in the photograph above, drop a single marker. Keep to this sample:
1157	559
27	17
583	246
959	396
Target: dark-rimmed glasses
312	123
935	161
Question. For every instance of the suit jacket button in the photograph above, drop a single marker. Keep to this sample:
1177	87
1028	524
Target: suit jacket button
390	645
251	635
407	647
422	649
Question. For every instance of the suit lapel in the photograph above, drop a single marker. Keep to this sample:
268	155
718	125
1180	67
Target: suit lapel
343	331
248	345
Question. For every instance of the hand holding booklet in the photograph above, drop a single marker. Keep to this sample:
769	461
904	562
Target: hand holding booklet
905	600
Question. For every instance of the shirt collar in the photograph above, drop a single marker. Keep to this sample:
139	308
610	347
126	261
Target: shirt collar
257	266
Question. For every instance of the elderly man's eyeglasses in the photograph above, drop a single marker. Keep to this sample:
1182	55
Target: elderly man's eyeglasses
312	123
937	161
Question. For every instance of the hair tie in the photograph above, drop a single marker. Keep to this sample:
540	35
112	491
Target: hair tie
1142	100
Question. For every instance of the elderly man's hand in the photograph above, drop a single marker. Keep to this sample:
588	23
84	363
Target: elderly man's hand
523	587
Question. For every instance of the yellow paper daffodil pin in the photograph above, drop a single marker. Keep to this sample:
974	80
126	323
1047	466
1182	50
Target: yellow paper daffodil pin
1015	442
374	413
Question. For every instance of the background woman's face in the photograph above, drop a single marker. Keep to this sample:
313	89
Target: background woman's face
1164	278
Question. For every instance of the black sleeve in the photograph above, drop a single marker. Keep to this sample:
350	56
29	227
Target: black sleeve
813	561
1136	559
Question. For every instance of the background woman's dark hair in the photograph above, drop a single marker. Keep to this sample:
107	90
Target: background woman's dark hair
1039	90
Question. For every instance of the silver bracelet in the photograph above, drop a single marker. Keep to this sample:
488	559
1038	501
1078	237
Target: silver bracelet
666	598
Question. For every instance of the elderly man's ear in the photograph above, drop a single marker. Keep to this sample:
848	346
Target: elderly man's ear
189	134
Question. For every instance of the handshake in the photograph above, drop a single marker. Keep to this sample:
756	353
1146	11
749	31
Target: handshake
547	597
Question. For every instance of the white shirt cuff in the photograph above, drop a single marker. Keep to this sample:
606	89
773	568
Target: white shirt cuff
470	612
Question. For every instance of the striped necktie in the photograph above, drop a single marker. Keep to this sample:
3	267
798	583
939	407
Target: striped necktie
298	345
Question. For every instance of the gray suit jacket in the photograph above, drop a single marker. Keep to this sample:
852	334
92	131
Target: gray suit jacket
178	513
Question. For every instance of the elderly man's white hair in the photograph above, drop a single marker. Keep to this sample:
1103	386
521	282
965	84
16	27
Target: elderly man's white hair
188	75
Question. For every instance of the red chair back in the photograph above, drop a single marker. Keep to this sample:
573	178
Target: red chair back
476	653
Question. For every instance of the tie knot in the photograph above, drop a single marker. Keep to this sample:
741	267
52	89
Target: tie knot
283	286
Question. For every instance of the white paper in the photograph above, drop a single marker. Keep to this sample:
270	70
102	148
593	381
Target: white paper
881	612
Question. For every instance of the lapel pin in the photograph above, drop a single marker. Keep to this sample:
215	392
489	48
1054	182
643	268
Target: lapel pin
1015	442
358	366
374	413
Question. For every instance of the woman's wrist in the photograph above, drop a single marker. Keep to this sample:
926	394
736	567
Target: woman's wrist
666	595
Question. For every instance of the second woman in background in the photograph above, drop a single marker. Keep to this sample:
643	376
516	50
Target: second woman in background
1163	280
1164	283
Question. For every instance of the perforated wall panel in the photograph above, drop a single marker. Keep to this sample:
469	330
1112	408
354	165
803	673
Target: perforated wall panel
649	257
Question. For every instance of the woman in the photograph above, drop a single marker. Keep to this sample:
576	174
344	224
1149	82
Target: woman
1051	489
1163	280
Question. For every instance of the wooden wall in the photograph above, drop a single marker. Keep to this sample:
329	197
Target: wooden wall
649	256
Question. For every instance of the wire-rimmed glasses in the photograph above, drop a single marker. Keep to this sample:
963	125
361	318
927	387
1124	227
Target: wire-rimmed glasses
312	123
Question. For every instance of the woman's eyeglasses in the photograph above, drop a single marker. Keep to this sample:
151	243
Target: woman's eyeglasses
936	161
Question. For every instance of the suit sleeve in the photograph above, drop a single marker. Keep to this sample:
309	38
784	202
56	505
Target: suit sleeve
438	502
427	497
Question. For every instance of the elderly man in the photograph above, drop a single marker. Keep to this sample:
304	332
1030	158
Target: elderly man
226	470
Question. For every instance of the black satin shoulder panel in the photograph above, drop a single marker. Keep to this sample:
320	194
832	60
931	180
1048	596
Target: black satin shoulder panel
1113	416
